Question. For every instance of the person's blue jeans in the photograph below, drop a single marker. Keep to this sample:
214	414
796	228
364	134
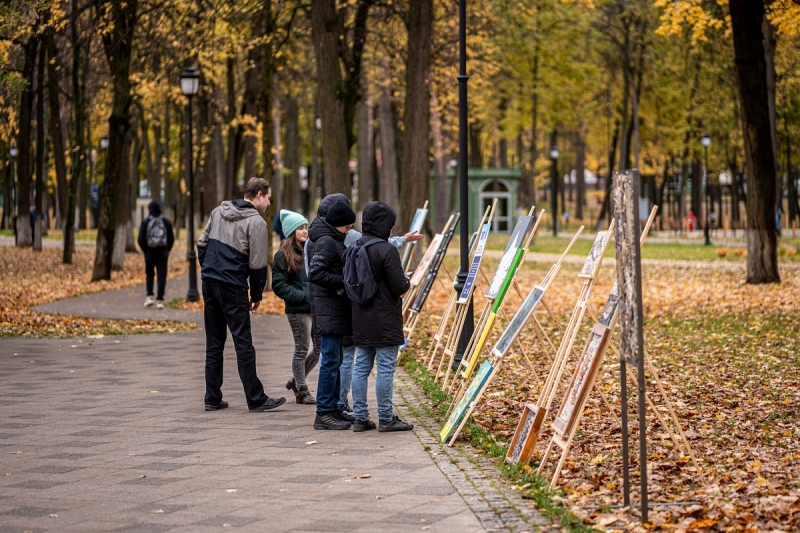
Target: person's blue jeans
384	383
346	375
330	359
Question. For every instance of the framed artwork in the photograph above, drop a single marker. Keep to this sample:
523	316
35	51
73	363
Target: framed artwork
425	263
463	406
520	319
425	289
582	379
519	451
476	264
518	238
610	309
595	254
501	294
626	220
416	225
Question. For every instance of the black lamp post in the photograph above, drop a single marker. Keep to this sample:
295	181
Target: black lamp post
705	140
12	155
190	82
463	167
554	153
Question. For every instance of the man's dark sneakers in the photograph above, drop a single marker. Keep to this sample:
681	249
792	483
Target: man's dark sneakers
329	421
395	424
344	416
271	403
221	405
363	425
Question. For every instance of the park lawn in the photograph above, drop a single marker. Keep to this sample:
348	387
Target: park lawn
727	354
33	278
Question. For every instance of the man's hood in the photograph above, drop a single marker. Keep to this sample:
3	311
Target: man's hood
378	220
319	228
238	209
154	207
328	201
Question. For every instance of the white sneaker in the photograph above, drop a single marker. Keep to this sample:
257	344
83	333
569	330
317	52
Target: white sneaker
149	301
160	304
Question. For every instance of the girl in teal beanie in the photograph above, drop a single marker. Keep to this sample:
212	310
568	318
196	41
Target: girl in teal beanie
290	284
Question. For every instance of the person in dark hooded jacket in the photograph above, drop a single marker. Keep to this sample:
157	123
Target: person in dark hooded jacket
378	323
155	239
330	306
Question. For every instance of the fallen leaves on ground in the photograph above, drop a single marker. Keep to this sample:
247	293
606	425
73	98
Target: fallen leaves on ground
727	354
33	278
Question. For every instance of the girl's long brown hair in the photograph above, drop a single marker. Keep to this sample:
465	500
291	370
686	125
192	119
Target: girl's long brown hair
294	259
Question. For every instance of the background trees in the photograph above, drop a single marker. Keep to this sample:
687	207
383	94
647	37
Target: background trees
380	77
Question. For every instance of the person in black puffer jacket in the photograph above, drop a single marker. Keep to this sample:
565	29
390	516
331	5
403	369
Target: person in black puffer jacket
378	323
290	284
331	308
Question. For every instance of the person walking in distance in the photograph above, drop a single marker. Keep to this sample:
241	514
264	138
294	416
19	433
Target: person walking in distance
290	284
331	308
377	317
233	250
155	239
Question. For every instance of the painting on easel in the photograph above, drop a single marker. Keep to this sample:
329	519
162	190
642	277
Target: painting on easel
520	235
627	250
476	264
595	254
582	380
460	410
424	265
521	446
519	320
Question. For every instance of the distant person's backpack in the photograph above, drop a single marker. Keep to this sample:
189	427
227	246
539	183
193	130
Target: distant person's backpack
358	280
156	233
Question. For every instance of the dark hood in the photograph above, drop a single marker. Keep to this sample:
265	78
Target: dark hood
154	207
319	228
328	201
378	220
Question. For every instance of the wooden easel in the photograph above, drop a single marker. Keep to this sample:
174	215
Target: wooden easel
408	298
409	246
498	353
542	406
486	321
453	305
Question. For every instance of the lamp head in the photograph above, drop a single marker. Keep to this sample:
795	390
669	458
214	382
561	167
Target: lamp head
554	153
104	142
453	163
318	123
705	140
190	82
12	151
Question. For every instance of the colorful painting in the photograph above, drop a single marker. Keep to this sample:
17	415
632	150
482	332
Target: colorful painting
424	265
476	264
583	379
520	319
463	406
629	270
501	294
595	254
518	238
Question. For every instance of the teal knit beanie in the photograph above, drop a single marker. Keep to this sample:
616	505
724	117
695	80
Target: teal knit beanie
290	221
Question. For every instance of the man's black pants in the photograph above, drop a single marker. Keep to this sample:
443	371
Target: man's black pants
155	262
228	307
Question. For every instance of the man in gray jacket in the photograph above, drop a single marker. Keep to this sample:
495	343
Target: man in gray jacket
233	249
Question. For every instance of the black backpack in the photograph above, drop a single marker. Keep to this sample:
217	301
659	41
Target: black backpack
359	283
156	233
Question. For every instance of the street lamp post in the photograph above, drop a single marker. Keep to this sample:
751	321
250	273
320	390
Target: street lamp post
554	153
190	82
463	168
705	140
12	154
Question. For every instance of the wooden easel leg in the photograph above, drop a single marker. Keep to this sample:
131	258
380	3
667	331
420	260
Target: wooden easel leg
545	457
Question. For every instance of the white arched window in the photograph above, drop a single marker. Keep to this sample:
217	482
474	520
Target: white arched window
500	190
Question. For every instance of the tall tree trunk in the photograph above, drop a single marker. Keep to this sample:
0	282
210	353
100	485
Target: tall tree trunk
747	20
8	205
56	127
416	144
790	182
441	207
580	170
534	129
231	165
605	211
40	149
292	186
82	107
475	148
697	190
121	240
366	153
252	89
388	166
78	174
118	44
277	147
24	146
769	61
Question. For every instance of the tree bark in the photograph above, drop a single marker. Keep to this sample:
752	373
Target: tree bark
441	207
747	19
56	127
277	149
416	144
24	161
8	205
388	165
291	192
78	174
366	153
580	170
118	45
40	149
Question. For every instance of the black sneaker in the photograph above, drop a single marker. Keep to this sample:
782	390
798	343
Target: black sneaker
363	425
221	405
395	424
344	416
271	403
329	421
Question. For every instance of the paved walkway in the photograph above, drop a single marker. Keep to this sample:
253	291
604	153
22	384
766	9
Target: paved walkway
110	435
